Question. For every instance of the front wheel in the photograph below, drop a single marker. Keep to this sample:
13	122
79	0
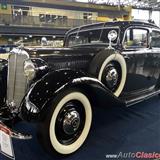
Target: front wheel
68	123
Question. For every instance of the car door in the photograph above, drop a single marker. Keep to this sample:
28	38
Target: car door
137	54
155	46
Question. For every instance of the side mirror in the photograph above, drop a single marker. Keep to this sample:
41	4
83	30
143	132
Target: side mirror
112	35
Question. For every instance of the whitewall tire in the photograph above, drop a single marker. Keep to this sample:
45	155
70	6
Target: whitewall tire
59	110
121	61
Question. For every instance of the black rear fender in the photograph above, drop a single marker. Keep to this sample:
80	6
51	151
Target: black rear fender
36	101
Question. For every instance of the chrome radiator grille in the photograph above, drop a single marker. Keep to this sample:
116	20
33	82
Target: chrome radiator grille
17	82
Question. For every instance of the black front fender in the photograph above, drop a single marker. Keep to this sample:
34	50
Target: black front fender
43	91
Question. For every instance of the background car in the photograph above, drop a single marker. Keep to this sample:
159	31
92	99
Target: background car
5	49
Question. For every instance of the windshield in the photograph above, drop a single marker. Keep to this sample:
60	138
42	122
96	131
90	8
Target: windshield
90	36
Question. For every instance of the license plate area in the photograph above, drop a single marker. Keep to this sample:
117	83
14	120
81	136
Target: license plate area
6	145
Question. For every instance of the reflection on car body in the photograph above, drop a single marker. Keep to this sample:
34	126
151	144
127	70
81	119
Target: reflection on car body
104	64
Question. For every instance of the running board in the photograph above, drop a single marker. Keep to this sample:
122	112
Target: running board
141	98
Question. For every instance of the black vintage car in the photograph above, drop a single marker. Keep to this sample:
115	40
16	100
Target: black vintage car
104	64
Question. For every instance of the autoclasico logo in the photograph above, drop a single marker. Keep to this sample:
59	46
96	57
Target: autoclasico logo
138	155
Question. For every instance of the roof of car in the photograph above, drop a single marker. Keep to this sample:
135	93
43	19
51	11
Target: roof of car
122	24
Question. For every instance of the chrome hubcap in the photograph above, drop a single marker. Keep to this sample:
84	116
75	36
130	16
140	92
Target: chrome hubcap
71	122
112	77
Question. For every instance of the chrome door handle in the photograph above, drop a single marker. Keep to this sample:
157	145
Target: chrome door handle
126	57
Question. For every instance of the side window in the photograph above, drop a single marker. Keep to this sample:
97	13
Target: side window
84	37
136	38
155	42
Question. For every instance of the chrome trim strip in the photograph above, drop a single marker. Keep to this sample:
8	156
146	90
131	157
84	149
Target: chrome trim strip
15	134
142	98
11	92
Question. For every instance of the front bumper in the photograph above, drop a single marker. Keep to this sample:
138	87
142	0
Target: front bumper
13	133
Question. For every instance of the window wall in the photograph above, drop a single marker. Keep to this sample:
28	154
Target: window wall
145	15
140	14
156	17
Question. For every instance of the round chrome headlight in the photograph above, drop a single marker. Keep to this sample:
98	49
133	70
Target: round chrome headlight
29	69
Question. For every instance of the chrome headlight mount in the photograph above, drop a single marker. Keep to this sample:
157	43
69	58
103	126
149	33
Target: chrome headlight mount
29	69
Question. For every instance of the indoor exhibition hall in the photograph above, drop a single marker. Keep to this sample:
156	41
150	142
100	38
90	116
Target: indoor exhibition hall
79	79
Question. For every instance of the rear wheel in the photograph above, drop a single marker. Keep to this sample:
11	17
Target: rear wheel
110	68
68	123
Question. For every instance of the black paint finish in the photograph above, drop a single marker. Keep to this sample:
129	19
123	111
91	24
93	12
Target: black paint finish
142	63
41	68
36	101
68	67
142	66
